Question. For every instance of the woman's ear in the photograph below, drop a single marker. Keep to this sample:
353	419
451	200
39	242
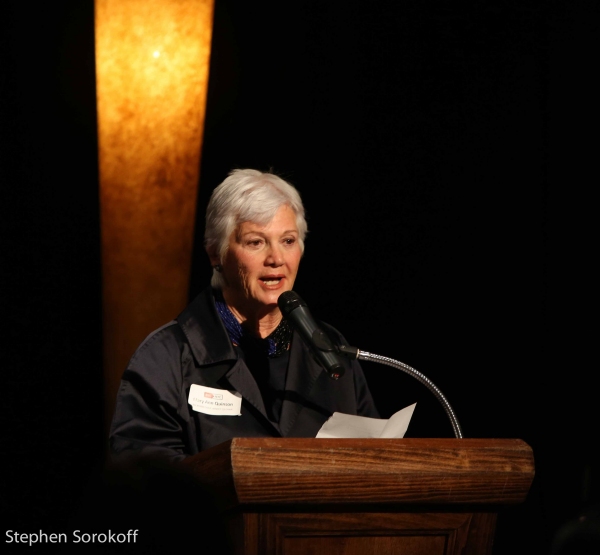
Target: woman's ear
213	256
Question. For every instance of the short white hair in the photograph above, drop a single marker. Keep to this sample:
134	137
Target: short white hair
248	195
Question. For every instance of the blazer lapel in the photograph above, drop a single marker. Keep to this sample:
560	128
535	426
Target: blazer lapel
215	354
244	383
303	371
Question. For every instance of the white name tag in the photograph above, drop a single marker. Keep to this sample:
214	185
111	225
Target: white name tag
215	401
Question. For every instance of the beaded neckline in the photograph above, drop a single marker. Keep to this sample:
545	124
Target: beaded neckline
274	345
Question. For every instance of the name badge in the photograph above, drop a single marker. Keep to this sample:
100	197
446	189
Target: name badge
209	400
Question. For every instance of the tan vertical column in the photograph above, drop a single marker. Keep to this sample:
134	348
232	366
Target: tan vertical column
152	61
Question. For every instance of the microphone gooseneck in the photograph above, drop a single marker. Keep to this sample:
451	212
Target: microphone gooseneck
295	310
353	352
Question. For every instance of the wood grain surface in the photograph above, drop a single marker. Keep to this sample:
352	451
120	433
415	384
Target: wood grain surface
333	471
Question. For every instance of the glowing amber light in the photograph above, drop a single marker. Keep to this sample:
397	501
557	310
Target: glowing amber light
152	60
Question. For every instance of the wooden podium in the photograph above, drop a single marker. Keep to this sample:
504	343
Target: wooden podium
364	496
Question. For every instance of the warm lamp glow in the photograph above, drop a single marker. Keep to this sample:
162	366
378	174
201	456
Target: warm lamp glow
152	61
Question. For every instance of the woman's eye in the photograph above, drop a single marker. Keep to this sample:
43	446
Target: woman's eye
289	241
254	242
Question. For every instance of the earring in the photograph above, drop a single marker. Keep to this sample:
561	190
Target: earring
218	267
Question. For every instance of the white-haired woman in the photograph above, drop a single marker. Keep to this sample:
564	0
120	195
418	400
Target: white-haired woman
230	365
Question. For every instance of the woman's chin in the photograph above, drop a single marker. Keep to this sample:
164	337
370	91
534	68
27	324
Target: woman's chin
268	300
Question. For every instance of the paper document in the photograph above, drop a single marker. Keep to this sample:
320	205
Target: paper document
347	425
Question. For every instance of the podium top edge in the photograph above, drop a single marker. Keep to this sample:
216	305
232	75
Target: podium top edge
318	443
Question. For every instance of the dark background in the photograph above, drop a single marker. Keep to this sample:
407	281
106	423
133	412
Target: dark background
441	151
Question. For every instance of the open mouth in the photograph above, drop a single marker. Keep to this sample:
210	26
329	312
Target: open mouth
271	280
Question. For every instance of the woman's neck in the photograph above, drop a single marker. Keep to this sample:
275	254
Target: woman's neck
260	322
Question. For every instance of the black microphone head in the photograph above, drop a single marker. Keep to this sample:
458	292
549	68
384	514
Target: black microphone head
288	301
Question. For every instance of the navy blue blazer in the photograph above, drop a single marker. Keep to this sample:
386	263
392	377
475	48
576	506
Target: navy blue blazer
153	416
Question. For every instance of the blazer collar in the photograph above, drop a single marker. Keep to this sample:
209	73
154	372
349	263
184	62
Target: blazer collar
205	332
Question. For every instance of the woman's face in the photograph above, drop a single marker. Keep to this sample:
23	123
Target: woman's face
262	262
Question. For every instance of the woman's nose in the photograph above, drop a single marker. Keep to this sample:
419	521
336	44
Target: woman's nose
274	257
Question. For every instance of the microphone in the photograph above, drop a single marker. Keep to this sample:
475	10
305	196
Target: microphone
295	310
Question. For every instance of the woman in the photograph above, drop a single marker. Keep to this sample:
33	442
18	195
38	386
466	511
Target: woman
230	365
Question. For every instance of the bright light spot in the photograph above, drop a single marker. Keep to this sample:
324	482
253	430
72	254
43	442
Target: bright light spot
156	54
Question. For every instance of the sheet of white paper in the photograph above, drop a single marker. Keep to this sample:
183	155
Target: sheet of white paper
341	425
348	425
397	425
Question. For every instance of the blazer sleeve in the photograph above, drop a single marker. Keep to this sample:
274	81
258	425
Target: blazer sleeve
150	417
